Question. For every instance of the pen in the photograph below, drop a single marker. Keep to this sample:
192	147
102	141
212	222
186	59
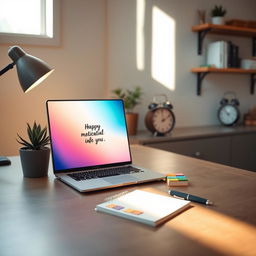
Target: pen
189	197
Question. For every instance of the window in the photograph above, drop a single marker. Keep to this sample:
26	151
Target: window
29	22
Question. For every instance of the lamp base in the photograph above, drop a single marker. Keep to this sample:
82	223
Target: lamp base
4	161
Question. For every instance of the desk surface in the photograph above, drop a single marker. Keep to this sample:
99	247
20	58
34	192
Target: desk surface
46	217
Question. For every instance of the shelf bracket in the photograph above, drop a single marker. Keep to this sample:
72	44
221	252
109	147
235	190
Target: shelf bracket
254	46
201	36
200	78
253	80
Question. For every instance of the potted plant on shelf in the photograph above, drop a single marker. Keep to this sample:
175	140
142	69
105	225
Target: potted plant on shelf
217	14
131	99
34	154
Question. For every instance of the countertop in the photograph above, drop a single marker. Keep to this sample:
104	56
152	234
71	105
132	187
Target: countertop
184	133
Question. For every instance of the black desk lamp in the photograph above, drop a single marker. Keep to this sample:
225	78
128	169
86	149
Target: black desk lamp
31	71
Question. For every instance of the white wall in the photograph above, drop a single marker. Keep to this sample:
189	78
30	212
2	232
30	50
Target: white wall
98	53
79	70
190	109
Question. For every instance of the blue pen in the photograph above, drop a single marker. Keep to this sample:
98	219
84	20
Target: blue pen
189	197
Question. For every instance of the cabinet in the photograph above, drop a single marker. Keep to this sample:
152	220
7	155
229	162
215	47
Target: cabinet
206	149
203	30
244	151
233	146
237	150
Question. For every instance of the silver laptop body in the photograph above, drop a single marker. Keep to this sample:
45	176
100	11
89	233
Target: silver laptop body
88	138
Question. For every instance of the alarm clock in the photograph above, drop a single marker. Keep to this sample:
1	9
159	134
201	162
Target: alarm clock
160	119
228	113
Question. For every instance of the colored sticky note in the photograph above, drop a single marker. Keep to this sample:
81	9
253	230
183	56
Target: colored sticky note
136	212
171	174
115	206
172	178
177	179
182	178
128	210
118	207
111	205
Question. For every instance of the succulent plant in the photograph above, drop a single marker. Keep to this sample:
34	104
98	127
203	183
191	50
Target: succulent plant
38	138
131	98
218	11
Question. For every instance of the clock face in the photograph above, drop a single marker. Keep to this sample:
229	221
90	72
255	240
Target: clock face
163	120
228	114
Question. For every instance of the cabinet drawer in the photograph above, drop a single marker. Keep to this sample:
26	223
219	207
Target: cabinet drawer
211	149
244	151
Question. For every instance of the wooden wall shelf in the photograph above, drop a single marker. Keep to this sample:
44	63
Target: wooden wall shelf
203	29
223	70
203	71
226	29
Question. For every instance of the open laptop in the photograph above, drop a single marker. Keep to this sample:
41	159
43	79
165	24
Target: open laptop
90	145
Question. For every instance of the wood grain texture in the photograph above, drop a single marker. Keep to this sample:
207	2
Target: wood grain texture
223	70
45	217
225	29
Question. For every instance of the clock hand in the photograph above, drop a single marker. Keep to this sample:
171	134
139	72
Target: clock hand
227	112
165	117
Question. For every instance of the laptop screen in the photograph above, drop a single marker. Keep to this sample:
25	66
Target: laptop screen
87	133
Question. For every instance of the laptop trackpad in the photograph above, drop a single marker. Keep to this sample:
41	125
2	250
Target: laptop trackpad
119	179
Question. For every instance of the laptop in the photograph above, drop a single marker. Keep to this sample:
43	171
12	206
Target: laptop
90	145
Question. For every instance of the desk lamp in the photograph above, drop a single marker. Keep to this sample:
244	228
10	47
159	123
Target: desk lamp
31	71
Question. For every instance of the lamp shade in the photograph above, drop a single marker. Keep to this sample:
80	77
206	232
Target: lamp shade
31	70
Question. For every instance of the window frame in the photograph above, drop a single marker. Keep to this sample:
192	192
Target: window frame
23	39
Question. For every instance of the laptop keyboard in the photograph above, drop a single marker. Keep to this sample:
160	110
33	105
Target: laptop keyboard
93	174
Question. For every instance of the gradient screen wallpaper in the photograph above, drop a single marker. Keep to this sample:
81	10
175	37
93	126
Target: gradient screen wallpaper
86	133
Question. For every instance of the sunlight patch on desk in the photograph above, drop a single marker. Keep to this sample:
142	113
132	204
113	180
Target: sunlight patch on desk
163	48
140	36
217	231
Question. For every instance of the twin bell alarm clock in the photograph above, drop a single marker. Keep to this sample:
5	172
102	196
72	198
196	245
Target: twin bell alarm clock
228	113
160	119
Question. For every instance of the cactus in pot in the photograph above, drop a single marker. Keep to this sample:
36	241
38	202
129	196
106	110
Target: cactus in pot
34	154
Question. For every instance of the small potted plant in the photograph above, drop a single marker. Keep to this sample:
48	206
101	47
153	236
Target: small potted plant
34	154
131	99
217	14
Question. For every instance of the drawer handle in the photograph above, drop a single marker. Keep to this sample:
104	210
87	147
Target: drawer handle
197	154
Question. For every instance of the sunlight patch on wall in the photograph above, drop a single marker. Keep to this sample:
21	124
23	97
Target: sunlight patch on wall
163	48
140	37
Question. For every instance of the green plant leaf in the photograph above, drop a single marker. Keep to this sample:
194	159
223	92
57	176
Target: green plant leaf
37	136
24	142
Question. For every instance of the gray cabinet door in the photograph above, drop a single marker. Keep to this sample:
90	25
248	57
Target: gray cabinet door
217	149
244	151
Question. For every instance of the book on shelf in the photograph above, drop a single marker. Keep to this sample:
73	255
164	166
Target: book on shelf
217	54
222	54
233	55
145	207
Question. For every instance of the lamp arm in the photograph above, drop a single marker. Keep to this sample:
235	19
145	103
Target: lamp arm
8	67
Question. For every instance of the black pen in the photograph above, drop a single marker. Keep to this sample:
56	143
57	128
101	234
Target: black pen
189	197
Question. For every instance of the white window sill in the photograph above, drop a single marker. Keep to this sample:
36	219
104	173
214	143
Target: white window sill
20	39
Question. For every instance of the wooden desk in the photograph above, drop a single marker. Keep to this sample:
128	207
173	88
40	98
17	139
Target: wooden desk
46	217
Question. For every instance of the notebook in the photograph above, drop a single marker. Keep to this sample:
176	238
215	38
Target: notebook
145	207
90	145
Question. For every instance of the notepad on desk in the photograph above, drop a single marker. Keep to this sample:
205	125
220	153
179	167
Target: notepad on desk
145	207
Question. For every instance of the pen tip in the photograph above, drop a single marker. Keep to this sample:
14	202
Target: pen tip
209	202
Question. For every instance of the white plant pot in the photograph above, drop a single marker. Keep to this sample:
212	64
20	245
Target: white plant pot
218	20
